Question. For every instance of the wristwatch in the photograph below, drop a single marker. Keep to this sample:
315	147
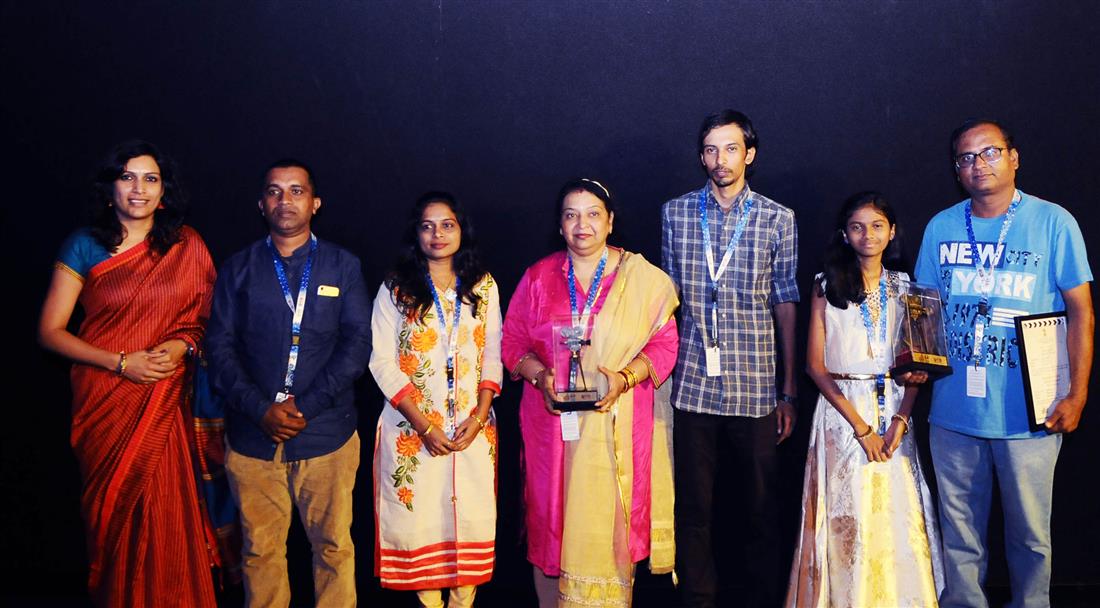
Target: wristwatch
784	397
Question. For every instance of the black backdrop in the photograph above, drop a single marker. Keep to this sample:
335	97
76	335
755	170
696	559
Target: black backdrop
500	102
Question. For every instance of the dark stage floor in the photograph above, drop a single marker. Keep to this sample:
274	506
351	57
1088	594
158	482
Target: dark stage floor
651	596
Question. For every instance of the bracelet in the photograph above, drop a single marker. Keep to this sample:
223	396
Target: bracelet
865	434
431	425
902	420
480	424
537	377
632	379
515	370
121	367
626	379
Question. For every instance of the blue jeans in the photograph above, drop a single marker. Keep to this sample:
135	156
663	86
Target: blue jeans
965	466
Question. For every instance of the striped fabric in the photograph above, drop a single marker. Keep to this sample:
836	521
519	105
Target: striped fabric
208	424
761	274
145	529
442	565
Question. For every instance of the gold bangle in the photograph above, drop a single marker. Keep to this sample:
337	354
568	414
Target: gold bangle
626	379
902	420
431	425
865	434
479	422
633	377
121	368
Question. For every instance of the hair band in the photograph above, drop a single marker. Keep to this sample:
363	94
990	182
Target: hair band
601	186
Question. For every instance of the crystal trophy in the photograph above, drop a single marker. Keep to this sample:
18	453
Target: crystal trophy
576	389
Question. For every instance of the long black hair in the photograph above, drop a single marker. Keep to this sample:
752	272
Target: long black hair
407	279
168	218
843	280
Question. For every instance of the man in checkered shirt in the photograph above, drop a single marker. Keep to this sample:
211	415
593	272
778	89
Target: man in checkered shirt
729	394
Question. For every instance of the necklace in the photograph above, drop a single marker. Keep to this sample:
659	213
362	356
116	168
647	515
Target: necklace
874	304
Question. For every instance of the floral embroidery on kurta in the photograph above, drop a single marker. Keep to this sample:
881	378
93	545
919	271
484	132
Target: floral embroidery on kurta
436	515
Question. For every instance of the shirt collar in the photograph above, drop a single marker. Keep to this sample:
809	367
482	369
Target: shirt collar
301	252
738	200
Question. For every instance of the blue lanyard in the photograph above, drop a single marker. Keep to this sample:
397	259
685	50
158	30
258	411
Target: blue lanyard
452	339
984	278
580	318
869	324
880	393
869	327
714	274
297	307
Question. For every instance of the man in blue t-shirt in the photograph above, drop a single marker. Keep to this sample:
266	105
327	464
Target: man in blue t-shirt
998	255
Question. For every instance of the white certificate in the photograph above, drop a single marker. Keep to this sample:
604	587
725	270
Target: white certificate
1044	360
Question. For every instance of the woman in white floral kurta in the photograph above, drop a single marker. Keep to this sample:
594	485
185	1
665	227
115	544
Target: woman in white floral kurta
435	463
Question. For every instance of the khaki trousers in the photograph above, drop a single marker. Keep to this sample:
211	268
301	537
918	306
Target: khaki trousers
266	492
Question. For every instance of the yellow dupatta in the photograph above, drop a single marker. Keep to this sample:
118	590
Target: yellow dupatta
596	569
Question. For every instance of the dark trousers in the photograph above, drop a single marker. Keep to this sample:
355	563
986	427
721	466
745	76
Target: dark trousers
752	466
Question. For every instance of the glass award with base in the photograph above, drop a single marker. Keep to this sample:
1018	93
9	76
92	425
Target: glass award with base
576	389
921	342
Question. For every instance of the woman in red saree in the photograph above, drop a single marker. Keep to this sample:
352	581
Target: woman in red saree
144	281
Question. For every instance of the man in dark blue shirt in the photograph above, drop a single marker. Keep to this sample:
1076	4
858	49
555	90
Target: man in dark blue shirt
288	335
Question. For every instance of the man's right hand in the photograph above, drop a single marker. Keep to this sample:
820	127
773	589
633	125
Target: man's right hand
282	421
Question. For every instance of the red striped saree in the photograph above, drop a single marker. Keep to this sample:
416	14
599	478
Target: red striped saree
148	543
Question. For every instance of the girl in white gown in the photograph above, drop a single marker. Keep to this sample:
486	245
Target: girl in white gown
868	536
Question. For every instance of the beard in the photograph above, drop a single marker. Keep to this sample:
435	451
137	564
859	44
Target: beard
722	180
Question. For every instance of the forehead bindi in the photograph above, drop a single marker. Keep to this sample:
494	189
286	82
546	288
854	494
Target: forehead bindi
582	201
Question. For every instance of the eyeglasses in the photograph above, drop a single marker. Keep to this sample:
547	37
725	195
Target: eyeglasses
990	155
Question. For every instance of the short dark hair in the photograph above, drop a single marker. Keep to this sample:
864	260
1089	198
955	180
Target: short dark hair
591	186
168	218
286	163
971	123
729	117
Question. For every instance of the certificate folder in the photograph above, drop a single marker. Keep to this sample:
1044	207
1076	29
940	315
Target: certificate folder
1044	361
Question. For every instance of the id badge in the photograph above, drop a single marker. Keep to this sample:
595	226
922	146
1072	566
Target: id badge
975	382
281	397
984	283
570	426
714	360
